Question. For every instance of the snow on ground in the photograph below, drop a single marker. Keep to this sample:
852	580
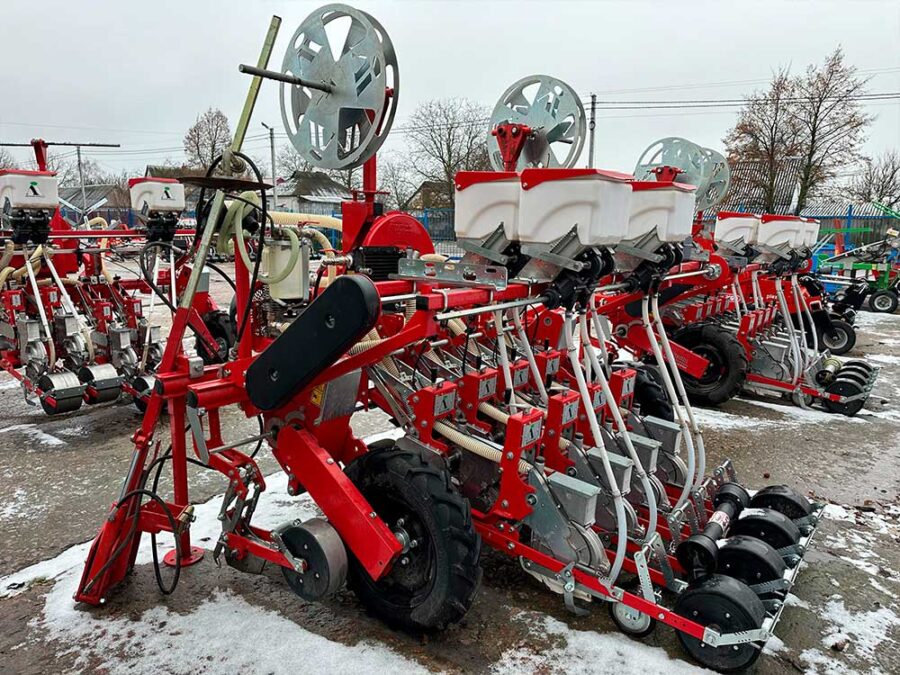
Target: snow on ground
261	640
226	632
33	433
857	634
586	653
725	421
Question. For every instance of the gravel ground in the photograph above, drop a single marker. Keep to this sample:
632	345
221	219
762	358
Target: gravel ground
59	475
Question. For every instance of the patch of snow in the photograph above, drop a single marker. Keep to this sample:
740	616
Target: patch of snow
35	434
866	630
793	601
838	512
884	358
11	383
226	634
795	415
721	420
586	653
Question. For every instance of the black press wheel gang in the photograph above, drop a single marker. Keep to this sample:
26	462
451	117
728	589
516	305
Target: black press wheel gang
727	606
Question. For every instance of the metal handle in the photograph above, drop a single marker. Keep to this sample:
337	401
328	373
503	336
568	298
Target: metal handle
284	77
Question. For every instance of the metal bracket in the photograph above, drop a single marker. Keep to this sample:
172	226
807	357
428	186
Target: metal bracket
477	249
638	253
553	258
659	552
452	273
568	581
193	415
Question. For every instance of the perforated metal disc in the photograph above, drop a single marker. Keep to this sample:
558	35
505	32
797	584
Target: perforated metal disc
718	178
704	168
349	51
550	107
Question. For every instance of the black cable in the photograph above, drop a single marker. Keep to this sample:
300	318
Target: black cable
262	234
319	273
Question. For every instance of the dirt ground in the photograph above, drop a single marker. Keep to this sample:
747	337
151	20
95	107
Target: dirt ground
58	477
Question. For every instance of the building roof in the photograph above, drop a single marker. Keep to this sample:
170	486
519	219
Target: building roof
839	208
115	195
314	186
747	193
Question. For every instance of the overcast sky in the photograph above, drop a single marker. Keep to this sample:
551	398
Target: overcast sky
138	73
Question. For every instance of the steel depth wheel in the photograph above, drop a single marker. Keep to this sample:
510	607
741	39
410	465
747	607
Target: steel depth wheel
727	606
631	621
433	582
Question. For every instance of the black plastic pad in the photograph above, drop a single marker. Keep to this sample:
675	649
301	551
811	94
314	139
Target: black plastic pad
344	313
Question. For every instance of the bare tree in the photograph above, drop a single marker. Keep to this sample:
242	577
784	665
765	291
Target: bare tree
7	161
289	162
879	181
395	179
207	138
446	136
831	121
767	133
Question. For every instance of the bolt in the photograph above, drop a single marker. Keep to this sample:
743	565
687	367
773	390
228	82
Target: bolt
371	514
424	423
510	546
509	455
329	461
404	561
504	503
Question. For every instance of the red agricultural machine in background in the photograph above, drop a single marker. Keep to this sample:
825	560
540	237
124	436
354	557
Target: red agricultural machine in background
71	331
515	425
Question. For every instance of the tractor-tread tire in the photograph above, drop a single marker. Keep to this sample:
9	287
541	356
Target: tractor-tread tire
448	519
732	354
650	397
891	299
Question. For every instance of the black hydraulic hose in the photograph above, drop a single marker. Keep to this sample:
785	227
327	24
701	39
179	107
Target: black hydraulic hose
264	210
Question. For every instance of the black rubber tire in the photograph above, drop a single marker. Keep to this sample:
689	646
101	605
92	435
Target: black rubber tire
839	339
404	482
650	397
222	330
729	606
750	560
784	499
864	365
768	525
844	387
884	302
728	367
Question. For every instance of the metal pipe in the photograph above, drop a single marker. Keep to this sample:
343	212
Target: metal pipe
284	77
459	313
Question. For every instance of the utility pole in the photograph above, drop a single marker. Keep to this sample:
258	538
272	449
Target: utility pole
591	126
274	178
81	181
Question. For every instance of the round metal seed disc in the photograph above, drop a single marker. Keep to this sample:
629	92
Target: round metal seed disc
350	52
553	110
703	168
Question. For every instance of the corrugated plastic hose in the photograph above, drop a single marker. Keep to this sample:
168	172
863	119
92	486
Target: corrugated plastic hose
621	523
620	425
